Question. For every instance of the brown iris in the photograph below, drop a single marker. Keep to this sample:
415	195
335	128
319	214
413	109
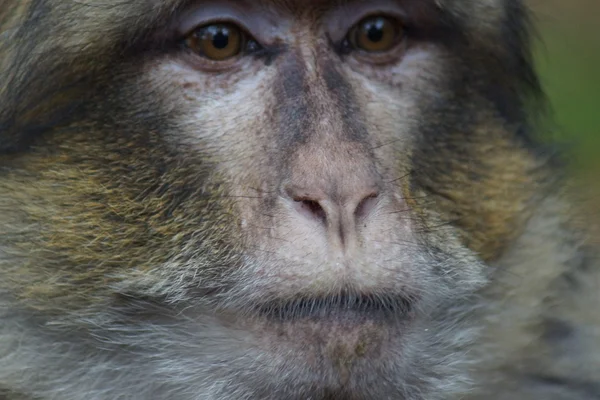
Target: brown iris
376	34
217	42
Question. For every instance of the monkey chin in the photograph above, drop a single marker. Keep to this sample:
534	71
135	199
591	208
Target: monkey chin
343	338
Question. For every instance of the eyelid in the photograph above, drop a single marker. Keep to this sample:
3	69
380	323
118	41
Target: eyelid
248	20
342	22
221	20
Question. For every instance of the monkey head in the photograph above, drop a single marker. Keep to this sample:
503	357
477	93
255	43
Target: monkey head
258	199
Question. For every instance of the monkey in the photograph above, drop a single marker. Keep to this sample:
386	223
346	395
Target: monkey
286	199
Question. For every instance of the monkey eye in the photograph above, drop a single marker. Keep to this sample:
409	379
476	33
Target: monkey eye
376	34
219	42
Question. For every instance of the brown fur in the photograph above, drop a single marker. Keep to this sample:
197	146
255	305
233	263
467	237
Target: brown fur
150	246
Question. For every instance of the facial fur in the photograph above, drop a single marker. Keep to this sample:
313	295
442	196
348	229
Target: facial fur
302	223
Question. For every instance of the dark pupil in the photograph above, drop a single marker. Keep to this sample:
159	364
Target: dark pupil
219	36
375	30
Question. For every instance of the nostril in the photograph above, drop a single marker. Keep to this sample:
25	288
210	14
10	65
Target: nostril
317	205
365	206
310	208
308	203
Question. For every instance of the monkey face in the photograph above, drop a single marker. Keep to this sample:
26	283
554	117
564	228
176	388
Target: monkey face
301	195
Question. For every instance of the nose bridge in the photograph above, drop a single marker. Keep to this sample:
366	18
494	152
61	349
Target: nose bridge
315	99
327	125
335	107
334	160
324	142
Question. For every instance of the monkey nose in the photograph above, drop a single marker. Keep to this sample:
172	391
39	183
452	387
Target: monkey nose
338	211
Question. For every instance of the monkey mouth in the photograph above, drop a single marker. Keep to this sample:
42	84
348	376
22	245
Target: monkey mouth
342	307
356	329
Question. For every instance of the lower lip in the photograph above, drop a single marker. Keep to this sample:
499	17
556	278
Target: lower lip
340	338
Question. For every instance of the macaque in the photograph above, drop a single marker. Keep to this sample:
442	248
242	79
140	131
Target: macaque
286	199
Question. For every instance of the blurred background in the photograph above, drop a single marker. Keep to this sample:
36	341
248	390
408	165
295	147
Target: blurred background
568	58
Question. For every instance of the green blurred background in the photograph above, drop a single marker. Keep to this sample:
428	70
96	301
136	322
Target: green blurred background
568	58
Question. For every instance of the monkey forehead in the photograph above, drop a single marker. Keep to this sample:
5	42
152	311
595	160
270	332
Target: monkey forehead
117	22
